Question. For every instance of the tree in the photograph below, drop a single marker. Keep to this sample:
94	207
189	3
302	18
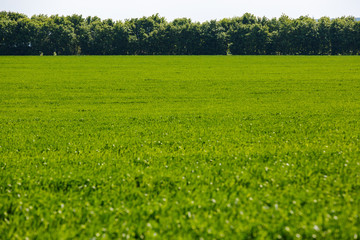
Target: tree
305	36
140	31
213	39
343	36
7	36
247	34
101	39
120	39
55	35
324	35
284	40
25	34
357	37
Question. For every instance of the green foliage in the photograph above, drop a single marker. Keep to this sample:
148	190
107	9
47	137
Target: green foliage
343	36
221	147
213	39
306	36
324	35
245	35
249	39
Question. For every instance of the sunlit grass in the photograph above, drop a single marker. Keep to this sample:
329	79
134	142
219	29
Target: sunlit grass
179	147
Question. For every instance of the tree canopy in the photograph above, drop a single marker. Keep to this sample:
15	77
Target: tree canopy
248	34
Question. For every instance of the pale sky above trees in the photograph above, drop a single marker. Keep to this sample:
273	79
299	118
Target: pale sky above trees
197	10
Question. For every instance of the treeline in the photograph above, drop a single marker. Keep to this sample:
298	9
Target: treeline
248	34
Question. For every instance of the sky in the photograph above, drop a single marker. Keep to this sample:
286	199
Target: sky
197	10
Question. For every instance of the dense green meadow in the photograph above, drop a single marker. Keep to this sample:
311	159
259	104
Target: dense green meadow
180	147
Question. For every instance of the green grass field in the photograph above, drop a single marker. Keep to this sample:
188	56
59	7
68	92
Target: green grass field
180	147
